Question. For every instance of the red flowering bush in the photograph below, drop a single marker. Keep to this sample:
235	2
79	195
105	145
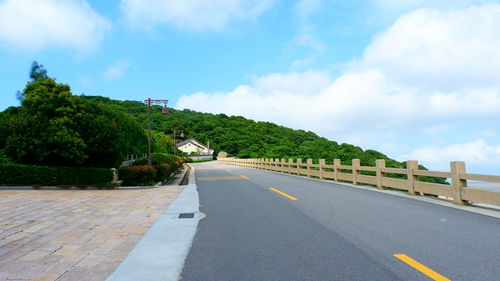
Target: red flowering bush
163	171
137	175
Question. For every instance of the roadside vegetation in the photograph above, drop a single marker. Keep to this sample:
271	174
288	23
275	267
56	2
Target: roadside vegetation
55	137
139	173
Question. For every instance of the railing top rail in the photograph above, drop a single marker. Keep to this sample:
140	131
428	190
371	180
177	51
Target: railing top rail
393	170
478	177
366	168
432	174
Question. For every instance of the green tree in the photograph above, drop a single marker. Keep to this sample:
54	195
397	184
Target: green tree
37	71
53	127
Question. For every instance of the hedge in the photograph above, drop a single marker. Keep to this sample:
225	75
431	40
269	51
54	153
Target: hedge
15	174
137	175
161	158
162	171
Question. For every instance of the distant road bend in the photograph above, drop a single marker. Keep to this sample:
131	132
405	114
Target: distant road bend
264	226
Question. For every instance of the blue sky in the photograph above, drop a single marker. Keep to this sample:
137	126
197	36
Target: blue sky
414	79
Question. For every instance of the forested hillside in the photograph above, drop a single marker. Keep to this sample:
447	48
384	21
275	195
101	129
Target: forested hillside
246	138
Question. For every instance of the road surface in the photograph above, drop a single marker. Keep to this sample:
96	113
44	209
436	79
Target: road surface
263	225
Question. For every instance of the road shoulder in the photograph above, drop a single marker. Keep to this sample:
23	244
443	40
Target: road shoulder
161	252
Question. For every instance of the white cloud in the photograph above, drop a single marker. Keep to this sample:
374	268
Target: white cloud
408	5
430	71
446	50
305	83
31	25
478	151
117	70
306	37
191	14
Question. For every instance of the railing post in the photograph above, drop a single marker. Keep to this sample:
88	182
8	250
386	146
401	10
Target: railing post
411	165
336	164
290	162
355	165
299	165
277	164
321	164
309	163
283	165
457	184
380	163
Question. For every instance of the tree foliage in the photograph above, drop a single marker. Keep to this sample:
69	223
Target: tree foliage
37	71
55	128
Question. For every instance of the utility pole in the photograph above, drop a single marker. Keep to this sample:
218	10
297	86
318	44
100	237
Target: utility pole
182	135
150	102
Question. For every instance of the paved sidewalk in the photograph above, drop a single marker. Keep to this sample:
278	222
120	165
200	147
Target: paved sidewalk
71	234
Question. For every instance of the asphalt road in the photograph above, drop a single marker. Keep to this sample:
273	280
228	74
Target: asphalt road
330	232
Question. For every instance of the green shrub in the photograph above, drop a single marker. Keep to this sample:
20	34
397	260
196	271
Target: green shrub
163	171
137	175
203	160
14	174
189	160
3	158
160	158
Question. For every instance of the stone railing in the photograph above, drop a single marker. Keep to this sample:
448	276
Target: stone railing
458	190
131	158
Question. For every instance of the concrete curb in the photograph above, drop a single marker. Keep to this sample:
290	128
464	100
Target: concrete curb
161	253
481	209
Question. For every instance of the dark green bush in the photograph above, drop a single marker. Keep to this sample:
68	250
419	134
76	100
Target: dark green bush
162	171
189	160
3	158
14	174
137	175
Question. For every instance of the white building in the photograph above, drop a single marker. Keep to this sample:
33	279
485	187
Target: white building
191	146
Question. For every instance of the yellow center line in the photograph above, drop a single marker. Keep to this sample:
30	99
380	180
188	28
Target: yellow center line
244	177
282	193
422	268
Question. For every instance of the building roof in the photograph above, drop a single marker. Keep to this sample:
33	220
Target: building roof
191	140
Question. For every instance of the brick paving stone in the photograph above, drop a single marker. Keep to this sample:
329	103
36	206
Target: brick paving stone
34	256
49	277
73	235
